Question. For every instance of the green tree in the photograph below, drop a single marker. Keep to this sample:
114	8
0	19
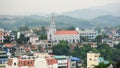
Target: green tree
98	29
117	46
85	39
7	39
23	28
71	28
42	33
22	39
98	38
117	65
61	49
102	65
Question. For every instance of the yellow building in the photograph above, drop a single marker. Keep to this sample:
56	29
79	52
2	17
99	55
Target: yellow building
92	59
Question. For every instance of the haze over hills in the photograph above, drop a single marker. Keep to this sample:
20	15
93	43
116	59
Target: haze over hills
38	21
93	12
106	20
62	21
84	18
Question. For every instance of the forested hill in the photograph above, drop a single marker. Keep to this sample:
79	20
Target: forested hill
12	22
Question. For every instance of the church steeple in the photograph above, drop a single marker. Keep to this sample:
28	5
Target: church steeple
52	29
52	25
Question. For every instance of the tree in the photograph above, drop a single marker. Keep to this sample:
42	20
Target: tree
71	28
98	38
61	49
43	36
98	29
42	33
117	65
85	39
102	65
7	39
23	28
22	39
117	46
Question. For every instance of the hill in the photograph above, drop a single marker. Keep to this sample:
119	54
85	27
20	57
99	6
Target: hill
12	22
106	20
93	12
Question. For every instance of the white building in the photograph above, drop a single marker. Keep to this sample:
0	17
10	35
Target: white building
3	34
34	39
92	59
91	34
54	36
32	62
25	33
21	62
62	61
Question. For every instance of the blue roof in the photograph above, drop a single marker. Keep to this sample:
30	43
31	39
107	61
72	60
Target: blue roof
75	59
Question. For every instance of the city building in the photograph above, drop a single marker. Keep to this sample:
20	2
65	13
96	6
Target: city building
51	62
75	62
3	34
40	63
34	39
62	61
92	59
55	36
90	34
9	49
25	33
3	59
21	62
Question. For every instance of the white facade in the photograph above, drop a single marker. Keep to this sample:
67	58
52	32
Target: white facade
34	39
18	35
70	38
92	59
91	34
40	63
62	61
1	38
56	36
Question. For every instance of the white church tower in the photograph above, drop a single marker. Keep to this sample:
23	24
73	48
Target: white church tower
52	29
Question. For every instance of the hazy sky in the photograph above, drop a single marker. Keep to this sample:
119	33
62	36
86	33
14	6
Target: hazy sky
47	6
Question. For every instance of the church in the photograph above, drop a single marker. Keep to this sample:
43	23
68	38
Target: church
55	36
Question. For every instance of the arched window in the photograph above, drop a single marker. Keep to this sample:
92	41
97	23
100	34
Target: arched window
14	64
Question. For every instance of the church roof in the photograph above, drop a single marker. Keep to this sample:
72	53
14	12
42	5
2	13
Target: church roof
67	32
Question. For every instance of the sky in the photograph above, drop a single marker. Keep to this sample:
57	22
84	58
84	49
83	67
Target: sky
26	7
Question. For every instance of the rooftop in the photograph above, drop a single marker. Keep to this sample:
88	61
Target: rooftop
8	45
60	57
67	32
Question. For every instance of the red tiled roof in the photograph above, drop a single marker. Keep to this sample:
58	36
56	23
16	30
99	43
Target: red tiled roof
8	45
3	33
67	32
51	61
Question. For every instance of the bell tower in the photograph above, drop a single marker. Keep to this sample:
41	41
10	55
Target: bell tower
52	29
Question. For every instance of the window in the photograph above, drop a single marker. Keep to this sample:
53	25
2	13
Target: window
31	62
90	59
28	63
95	59
14	64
